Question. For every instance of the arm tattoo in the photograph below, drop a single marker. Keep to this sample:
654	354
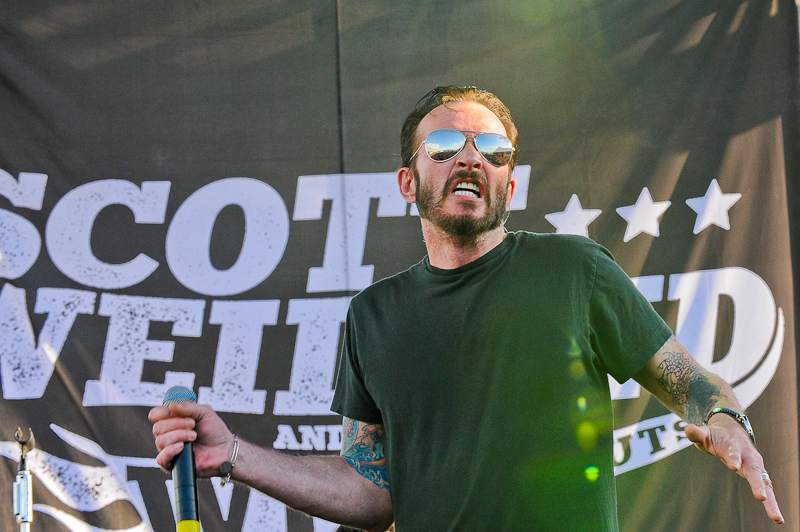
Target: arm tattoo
688	385
362	447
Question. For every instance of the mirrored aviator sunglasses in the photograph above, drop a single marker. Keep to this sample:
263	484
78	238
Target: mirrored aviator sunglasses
444	144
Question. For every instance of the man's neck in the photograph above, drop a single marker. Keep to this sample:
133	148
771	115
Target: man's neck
448	252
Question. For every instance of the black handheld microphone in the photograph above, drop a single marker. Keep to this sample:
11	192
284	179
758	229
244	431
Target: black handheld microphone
183	479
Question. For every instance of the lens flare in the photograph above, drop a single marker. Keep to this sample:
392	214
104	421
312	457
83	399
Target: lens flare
582	404
586	435
576	370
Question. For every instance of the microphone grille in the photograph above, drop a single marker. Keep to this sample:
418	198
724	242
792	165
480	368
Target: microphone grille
179	394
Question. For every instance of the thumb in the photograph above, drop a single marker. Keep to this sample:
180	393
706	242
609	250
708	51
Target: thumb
699	435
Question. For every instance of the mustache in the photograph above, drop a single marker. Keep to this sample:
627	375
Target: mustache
465	174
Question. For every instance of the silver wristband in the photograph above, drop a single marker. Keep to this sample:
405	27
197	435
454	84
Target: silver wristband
226	468
741	418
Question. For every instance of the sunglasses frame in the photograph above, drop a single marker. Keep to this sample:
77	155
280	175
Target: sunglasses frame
474	137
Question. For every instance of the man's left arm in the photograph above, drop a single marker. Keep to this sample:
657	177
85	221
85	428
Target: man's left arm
687	389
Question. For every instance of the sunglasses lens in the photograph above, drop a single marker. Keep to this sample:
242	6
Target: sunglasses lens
495	148
444	144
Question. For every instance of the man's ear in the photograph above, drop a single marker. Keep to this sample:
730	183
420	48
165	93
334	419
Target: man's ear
407	184
512	186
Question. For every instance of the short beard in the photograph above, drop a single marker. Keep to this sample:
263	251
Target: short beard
463	227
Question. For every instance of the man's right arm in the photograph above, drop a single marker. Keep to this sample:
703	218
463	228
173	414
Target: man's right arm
350	489
362	447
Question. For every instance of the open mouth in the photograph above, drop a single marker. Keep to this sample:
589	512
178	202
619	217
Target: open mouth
467	189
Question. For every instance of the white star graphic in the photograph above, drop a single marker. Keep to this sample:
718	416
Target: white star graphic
643	216
574	220
713	207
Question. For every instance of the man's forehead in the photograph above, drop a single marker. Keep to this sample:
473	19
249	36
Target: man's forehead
470	116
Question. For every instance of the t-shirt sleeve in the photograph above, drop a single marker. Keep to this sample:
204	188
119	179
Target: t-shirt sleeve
351	397
626	331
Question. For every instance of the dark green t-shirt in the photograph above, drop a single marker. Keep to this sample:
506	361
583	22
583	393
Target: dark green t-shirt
491	383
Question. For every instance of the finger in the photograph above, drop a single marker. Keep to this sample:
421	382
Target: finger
732	458
168	454
771	504
158	413
763	489
173	423
752	472
172	437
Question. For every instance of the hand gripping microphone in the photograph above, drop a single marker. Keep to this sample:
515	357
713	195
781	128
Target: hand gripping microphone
183	478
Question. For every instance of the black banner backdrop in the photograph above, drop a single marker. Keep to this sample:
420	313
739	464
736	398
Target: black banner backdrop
192	192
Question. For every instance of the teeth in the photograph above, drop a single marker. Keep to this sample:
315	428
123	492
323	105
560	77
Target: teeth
467	189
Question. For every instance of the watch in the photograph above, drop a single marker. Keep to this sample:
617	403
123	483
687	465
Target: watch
741	418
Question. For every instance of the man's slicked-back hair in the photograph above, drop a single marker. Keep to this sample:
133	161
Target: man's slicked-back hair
449	94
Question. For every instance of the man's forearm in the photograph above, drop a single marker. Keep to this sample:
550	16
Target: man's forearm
323	486
711	392
684	386
690	391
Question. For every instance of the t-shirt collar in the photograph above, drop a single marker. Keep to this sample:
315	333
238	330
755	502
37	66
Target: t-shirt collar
495	252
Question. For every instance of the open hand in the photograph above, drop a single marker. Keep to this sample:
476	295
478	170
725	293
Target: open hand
725	439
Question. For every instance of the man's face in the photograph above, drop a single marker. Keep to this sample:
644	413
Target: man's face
465	196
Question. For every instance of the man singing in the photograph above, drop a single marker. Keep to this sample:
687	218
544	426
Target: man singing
474	386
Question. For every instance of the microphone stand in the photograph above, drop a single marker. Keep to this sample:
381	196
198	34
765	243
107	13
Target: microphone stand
23	484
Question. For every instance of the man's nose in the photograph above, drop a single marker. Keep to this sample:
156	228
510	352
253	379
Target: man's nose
469	157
